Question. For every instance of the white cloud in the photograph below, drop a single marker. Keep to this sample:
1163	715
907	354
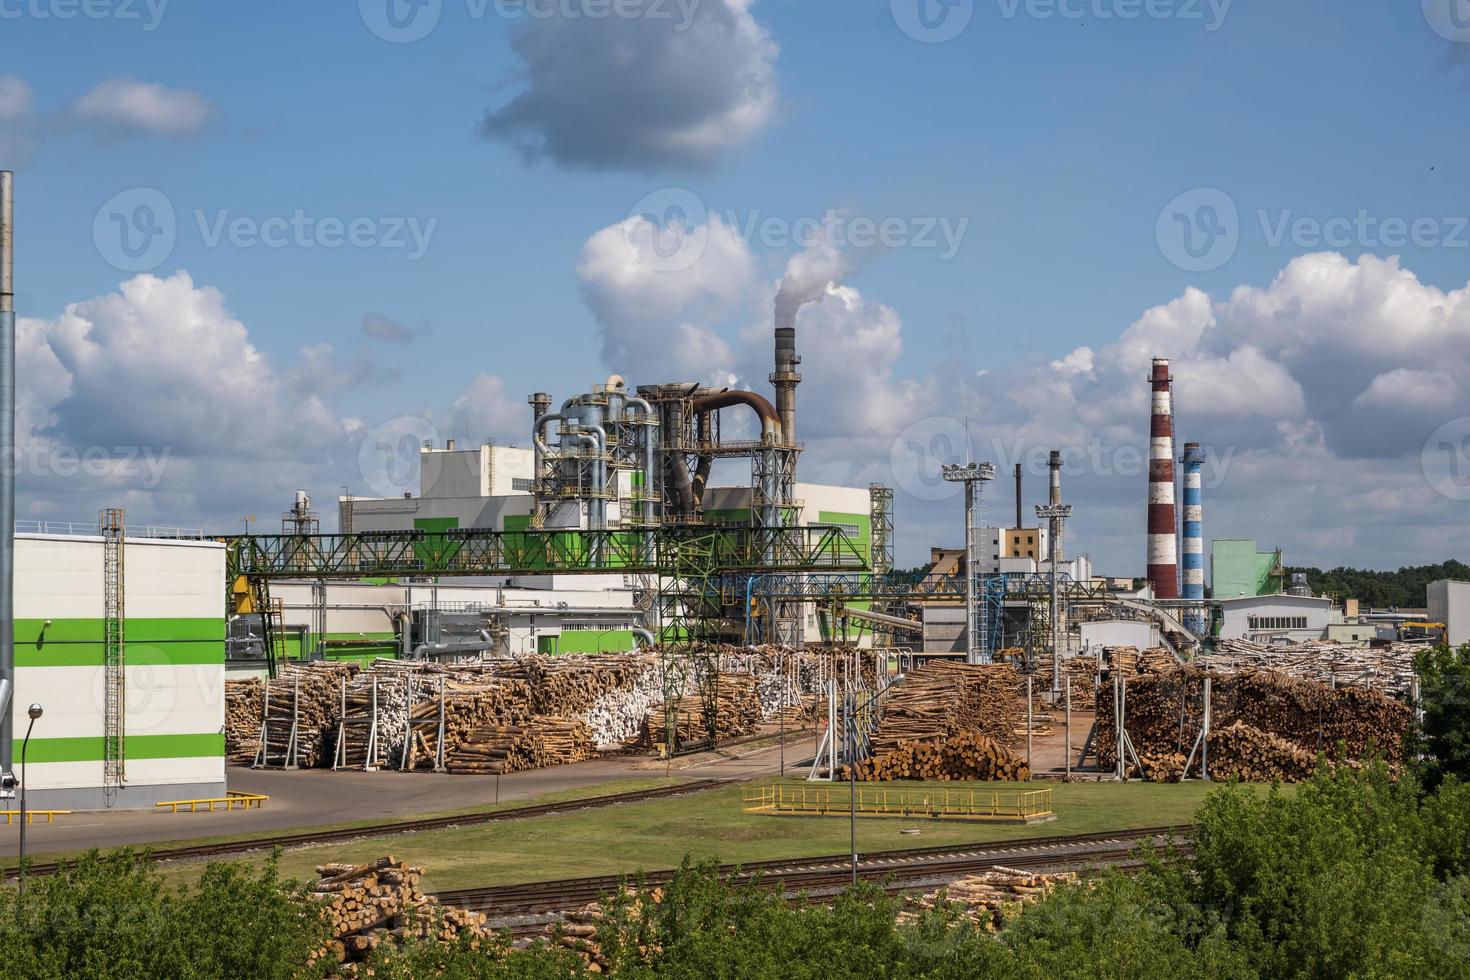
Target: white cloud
376	326
126	106
486	410
658	322
16	99
642	92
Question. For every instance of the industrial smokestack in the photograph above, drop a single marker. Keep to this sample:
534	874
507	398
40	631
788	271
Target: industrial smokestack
1194	550
7	455
785	379
1020	518
1163	537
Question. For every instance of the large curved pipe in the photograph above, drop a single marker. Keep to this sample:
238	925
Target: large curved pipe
731	397
646	635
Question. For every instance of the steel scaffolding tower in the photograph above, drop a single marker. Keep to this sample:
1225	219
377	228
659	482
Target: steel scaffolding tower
114	660
974	476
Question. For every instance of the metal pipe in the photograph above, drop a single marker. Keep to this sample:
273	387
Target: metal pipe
785	379
7	456
646	635
1020	516
481	641
650	454
731	397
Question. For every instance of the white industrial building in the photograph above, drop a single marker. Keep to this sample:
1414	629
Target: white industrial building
490	487
1265	618
1449	603
1140	633
170	734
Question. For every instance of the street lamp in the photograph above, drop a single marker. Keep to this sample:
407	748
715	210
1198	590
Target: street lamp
35	711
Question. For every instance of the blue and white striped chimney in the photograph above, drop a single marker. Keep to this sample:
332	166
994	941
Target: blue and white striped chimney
1194	544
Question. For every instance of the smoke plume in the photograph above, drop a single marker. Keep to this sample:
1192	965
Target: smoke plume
807	277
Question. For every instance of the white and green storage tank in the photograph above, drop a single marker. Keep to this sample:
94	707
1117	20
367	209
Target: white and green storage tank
173	744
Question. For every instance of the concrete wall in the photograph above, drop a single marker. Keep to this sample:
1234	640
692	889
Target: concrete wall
173	724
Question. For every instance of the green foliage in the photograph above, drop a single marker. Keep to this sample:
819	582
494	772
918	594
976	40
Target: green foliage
112	916
1406	588
1444	692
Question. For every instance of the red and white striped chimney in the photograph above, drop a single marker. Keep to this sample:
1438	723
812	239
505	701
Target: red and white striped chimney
1163	538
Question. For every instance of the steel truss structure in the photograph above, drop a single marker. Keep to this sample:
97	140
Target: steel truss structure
114	658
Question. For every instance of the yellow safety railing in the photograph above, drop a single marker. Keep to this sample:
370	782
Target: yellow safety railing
12	816
230	801
1014	805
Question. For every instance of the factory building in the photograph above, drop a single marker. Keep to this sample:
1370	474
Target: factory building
1275	617
1237	568
164	732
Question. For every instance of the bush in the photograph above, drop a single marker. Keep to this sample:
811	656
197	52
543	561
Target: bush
113	916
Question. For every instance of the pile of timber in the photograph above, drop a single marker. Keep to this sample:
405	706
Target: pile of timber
1257	757
572	685
1165	714
987	899
1388	668
944	698
301	709
616	718
1131	661
737	712
1084	672
954	758
579	930
368	904
535	743
1163	767
244	703
372	708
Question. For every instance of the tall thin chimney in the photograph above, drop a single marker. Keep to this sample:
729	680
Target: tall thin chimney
7	458
1194	545
785	379
1163	536
1020	519
1055	500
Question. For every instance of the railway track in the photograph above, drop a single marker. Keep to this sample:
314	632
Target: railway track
391	828
901	868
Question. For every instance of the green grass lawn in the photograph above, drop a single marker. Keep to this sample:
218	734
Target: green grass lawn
659	833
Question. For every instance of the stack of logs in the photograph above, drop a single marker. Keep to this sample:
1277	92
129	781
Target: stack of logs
579	932
943	698
301	711
958	757
988	898
368	904
243	705
369	725
1388	668
537	742
1282	721
737	712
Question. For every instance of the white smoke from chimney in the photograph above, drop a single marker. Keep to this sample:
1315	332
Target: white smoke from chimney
808	275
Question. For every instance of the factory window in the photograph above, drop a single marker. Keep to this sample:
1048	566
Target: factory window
520	484
1030	539
851	530
1277	622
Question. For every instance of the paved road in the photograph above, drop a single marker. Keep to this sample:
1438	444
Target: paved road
315	797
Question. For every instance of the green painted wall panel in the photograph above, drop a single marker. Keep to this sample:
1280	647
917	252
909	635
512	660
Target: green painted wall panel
78	642
586	641
88	748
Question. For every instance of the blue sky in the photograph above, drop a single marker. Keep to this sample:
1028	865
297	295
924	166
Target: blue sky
1059	139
